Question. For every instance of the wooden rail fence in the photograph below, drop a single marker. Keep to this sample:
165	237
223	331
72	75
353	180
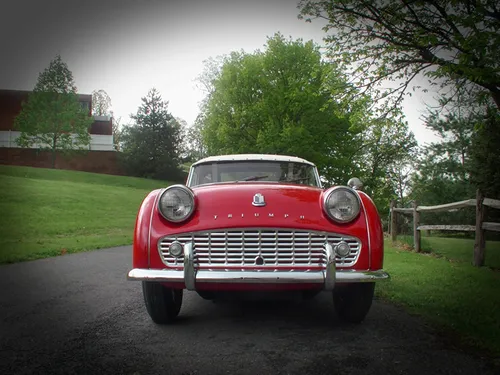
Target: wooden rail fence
479	203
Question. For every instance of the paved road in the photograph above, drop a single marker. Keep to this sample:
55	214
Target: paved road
77	314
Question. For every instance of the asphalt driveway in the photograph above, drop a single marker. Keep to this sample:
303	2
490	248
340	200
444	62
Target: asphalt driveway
77	314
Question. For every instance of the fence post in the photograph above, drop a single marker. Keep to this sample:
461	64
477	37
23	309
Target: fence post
479	243
416	223
394	230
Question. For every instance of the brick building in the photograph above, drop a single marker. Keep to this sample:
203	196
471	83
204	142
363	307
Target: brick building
101	131
100	158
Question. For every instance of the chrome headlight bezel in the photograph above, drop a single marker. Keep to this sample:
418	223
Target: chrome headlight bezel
335	190
188	193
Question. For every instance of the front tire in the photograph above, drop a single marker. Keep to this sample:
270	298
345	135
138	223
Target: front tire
163	304
209	296
353	301
310	294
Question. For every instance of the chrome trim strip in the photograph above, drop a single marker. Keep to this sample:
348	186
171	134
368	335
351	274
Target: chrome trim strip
190	177
142	274
257	277
350	276
189	270
260	277
330	267
252	157
318	178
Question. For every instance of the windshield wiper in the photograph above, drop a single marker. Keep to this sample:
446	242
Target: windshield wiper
253	178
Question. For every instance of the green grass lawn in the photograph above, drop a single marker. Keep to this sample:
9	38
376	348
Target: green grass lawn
51	212
454	295
458	249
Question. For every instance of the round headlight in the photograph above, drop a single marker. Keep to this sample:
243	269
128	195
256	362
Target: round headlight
176	203
342	204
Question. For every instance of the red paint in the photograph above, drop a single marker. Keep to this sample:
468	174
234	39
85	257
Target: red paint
214	204
376	232
141	231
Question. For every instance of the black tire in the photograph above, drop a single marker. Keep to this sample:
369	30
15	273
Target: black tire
163	304
205	294
310	294
353	301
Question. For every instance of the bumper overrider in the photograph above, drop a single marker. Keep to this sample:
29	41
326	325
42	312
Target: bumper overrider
190	275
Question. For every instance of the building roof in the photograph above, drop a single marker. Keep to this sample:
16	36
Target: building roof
252	157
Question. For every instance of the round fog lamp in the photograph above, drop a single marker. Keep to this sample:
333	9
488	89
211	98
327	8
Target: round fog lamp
175	249
342	249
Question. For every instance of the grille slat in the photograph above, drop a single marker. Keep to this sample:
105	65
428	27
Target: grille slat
277	247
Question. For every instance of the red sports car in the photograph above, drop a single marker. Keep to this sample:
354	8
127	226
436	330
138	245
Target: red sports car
257	223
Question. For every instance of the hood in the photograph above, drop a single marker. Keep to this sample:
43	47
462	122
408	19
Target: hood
238	197
286	206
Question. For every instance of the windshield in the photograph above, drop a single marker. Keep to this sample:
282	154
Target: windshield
241	171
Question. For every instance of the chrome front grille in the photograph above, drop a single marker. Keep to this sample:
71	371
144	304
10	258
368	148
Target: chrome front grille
244	247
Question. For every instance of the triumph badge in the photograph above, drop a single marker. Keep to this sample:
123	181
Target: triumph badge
258	200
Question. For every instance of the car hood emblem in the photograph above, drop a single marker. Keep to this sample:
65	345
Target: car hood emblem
258	200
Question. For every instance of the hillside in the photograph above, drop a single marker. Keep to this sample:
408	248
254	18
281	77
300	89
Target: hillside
48	212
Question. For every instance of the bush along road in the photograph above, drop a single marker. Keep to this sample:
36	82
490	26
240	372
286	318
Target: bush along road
77	314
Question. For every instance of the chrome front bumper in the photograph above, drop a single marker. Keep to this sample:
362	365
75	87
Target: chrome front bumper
190	276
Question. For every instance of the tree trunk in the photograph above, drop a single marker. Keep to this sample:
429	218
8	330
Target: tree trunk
416	223
479	243
53	158
496	98
393	225
54	150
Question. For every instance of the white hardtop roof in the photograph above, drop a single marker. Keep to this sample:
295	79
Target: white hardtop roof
254	157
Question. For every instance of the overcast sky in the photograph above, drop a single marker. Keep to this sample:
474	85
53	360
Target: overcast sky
126	47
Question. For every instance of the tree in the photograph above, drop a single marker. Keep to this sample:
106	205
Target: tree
485	161
211	71
387	149
101	103
454	43
194	148
117	132
152	146
451	155
484	164
279	101
400	177
444	167
287	100
52	117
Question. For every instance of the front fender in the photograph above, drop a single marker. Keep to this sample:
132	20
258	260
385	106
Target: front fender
142	237
375	232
